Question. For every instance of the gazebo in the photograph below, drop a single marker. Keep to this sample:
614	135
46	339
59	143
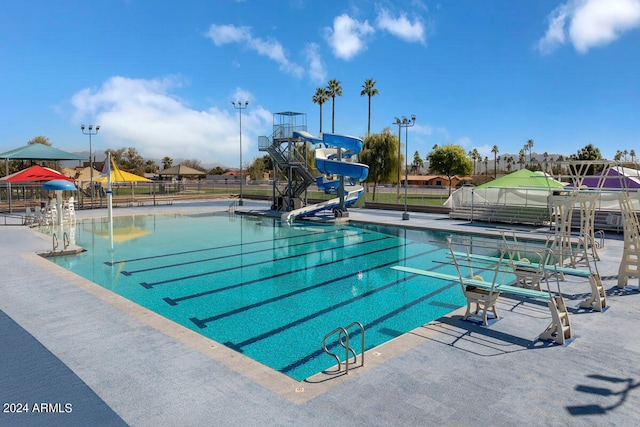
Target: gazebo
181	171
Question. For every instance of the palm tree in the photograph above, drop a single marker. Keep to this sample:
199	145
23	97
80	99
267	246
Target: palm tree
333	89
530	146
494	150
476	157
369	90
521	158
632	153
486	166
320	97
167	162
509	161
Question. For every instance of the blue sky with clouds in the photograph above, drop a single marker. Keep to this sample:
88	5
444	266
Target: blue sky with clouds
160	76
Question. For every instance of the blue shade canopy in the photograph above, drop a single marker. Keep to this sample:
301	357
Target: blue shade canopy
59	184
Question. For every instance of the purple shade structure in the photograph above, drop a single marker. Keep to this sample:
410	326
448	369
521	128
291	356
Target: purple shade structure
617	177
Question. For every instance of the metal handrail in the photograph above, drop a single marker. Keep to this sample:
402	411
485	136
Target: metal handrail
55	242
343	340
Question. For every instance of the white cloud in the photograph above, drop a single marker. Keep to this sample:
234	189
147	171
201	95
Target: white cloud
401	26
223	34
600	22
317	67
347	37
145	114
591	23
272	49
555	33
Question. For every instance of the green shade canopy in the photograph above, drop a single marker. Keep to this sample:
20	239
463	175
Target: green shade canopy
523	178
39	152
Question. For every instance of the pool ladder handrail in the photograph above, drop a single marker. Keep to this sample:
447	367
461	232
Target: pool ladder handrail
343	340
232	207
65	241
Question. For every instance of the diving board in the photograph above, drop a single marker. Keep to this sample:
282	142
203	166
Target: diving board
598	299
558	330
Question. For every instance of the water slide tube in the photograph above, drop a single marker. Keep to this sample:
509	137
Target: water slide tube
327	162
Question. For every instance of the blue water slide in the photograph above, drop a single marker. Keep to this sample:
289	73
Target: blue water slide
327	158
350	143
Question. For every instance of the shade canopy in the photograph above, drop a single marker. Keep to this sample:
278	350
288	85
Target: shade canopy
523	178
35	173
616	177
39	152
59	184
181	170
118	175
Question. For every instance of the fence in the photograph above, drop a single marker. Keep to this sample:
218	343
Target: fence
32	195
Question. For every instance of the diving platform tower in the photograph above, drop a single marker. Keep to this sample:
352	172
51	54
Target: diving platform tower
291	160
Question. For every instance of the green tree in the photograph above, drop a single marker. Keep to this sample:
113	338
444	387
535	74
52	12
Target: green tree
494	150
476	157
256	169
450	160
333	89
529	145
128	159
379	152
218	171
320	97
150	166
40	140
167	162
589	153
369	90
417	163
521	158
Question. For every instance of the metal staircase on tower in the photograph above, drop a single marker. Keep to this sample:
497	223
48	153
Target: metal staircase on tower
291	161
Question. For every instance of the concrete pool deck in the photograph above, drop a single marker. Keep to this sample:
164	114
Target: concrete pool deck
93	358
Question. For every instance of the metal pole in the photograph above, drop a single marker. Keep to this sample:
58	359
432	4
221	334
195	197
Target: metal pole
398	122
90	133
240	106
405	215
404	123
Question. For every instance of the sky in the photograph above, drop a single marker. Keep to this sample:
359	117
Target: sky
161	76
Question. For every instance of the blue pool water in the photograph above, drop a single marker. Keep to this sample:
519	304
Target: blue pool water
268	291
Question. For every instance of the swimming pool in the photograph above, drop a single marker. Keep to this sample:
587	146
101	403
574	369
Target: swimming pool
269	291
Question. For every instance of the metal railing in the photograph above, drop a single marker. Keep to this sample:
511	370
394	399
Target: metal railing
343	341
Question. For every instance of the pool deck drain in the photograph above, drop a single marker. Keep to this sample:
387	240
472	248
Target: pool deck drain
151	371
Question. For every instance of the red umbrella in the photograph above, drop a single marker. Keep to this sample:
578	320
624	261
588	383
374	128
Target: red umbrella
35	173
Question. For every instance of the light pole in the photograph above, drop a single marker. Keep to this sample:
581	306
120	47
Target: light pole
90	132
406	124
239	105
